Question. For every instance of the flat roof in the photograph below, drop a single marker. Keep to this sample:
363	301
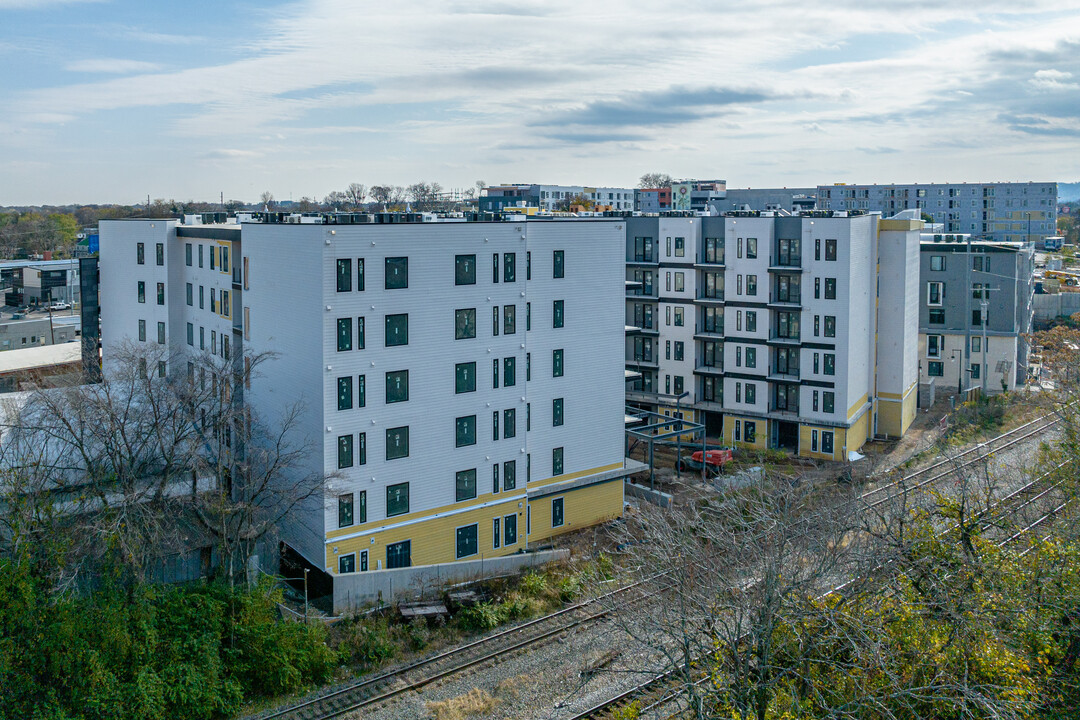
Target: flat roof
40	357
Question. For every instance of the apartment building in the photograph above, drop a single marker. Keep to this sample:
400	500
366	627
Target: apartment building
975	309
791	200
764	327
1003	212
460	382
551	198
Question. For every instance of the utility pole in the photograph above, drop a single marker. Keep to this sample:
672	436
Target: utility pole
967	315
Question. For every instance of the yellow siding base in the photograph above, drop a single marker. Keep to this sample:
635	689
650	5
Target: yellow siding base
761	432
582	507
895	416
806	442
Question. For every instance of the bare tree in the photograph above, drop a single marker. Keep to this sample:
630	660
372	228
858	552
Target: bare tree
267	200
654	180
424	195
383	195
336	200
355	194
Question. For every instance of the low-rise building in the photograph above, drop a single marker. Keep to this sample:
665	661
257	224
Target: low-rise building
791	200
552	198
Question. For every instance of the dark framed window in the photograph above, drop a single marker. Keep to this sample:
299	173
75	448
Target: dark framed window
190	292
200	255
830	364
495	267
465	377
830	326
397	499
509	423
465	431
495	478
558	264
557	510
344	275
830	249
495	425
557	314
828	401
495	321
496	533
557	461
347	564
937	262
344	334
830	288
345	451
509	372
345	393
397	330
345	510
528	367
509	319
465	323
161	293
361	458
159	253
975	371
361	391
509	474
750	429
528	316
140	253
557	412
191	334
509	267
397	386
142	331
161	333
397	273
935	368
495	373
464	269
528	265
465	487
751	248
361	340
467	541
399	555
556	363
397	442
751	284
187	254
510	530
827	442
360	274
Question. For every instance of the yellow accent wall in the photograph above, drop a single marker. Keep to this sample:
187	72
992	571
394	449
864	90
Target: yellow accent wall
575	475
839	438
856	407
895	415
761	432
582	507
857	434
901	225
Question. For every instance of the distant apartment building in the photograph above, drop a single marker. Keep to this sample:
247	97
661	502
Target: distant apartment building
19	334
975	308
652	200
791	200
461	382
797	333
39	282
1003	212
553	198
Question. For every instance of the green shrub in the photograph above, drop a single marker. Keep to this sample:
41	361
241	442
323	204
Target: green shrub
369	642
568	588
534	585
481	617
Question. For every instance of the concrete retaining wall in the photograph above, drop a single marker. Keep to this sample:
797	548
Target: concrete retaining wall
653	496
1048	307
356	589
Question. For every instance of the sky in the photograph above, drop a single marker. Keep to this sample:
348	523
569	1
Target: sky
113	100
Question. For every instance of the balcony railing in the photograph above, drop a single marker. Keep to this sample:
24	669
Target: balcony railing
789	338
715	297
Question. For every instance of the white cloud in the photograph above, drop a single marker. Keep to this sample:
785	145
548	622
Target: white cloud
230	154
1053	80
117	66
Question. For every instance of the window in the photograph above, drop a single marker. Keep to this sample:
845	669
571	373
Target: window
161	333
465	487
751	248
161	374
528	366
830	326
397	499
140	253
976	344
751	393
937	317
397	273
509	423
161	293
830	364
557	412
465	270
556	363
751	357
202	338
344	334
557	314
495	426
191	335
510	530
213	300
830	249
467	542
817	249
667	350
935	291
397	442
213	256
202	297
509	267
142	291
397	330
397	387
528	266
465	324
496	533
975	371
680	317
200	255
159	253
465	377
827	442
557	461
830	288
465	431
976	317
751	284
680	281
347	564
680	247
346	516
344	393
558	268
751	321
344	275
345	451
679	349
509	319
678	384
509	372
750	431
190	295
495	321
828	401
935	368
495	373
509	474
399	554
557	517
937	263
142	331
934	345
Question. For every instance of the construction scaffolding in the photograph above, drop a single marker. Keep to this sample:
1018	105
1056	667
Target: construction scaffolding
651	427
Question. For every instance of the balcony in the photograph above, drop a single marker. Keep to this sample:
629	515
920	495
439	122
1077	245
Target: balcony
635	291
641	330
786	268
792	301
703	369
710	299
709	335
642	362
784	412
707	265
643	261
789	339
791	375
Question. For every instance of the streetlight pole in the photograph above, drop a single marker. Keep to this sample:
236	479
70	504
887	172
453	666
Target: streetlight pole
960	371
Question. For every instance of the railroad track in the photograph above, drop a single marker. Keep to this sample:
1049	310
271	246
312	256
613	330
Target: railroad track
383	687
657	691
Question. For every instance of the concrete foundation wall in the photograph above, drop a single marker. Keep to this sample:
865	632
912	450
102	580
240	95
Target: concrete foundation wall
354	590
1048	307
